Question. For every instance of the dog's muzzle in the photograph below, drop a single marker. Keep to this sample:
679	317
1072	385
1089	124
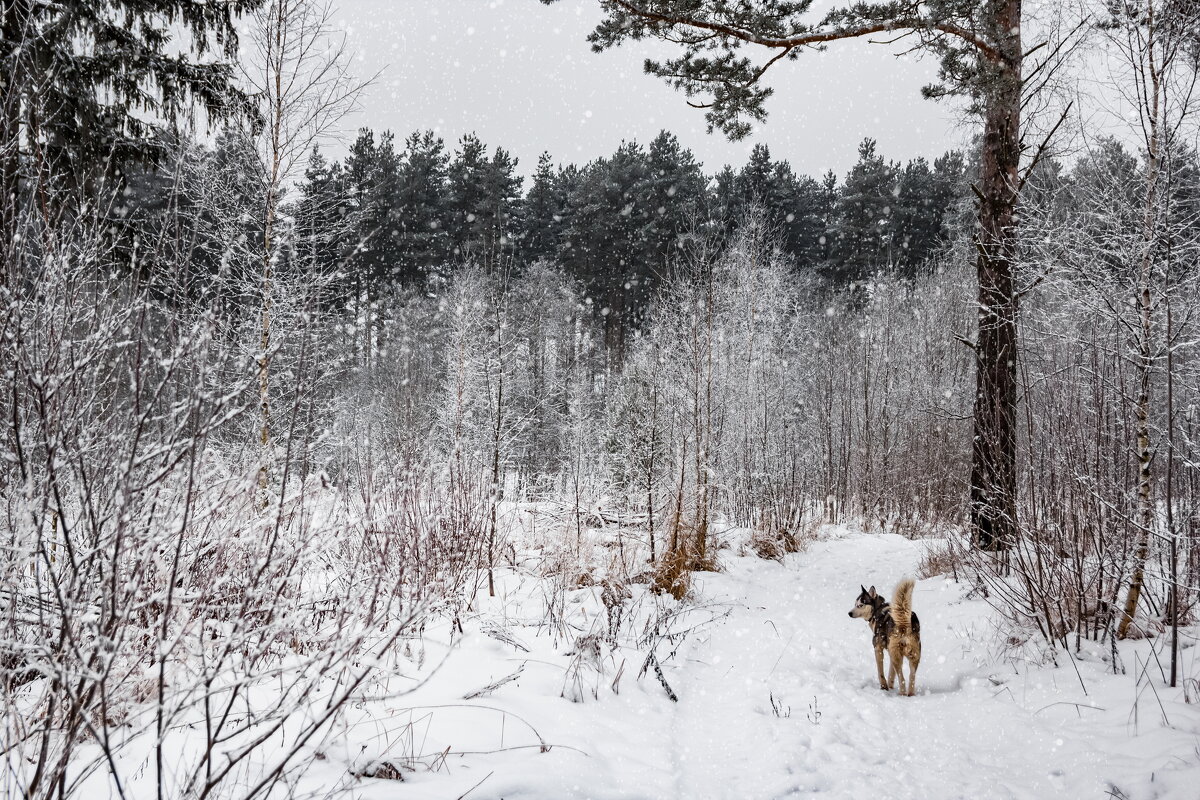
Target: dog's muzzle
850	615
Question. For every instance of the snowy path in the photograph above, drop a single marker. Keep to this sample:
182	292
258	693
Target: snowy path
794	639
791	637
1014	735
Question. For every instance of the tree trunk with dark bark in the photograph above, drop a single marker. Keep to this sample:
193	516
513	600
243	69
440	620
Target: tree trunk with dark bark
994	448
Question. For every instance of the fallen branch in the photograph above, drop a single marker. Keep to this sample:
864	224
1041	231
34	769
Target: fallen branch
491	687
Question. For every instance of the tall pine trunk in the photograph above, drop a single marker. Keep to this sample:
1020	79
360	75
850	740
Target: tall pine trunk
994	447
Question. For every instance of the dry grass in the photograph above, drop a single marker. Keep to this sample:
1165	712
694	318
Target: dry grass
943	557
673	571
773	541
672	574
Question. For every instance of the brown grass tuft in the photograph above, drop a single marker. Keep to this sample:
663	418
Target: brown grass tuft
672	574
945	557
773	541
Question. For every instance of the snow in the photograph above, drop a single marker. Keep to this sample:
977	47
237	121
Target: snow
777	697
985	724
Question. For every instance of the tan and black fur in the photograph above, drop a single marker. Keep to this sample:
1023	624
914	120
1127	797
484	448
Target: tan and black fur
896	630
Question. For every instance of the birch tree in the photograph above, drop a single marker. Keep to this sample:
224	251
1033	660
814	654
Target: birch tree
298	70
1155	43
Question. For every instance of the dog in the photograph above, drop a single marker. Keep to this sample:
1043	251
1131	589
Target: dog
896	629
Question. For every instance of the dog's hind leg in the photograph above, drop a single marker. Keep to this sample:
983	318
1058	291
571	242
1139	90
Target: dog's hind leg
883	683
898	669
913	660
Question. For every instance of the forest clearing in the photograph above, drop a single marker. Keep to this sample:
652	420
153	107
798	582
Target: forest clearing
354	444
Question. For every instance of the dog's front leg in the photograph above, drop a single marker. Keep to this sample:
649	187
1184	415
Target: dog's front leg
883	682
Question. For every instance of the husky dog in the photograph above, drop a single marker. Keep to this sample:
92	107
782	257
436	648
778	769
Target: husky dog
896	630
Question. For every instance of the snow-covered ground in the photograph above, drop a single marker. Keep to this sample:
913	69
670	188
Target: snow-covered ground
777	698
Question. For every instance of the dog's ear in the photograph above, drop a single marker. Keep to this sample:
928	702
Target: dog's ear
871	592
864	589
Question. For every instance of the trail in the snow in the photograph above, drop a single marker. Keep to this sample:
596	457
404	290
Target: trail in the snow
977	729
791	638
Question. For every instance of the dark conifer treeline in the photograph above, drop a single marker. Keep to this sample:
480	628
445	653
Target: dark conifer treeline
394	215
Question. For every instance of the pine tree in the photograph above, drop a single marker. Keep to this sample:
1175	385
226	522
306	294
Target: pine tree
1107	170
483	203
100	86
1182	161
360	176
802	216
926	203
420	206
466	195
673	193
793	205
607	239
544	218
724	203
323	221
916	218
221	200
951	193
827	210
497	214
864	217
372	177
567	181
753	183
500	215
144	225
737	192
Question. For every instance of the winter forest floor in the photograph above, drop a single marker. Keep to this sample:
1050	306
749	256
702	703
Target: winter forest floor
777	698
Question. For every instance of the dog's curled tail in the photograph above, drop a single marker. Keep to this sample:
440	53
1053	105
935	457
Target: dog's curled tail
901	607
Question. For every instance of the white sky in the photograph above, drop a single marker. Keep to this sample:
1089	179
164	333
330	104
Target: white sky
521	75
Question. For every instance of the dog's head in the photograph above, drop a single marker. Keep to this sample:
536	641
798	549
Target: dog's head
865	603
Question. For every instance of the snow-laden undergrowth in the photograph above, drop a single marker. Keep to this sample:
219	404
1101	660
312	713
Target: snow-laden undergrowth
550	691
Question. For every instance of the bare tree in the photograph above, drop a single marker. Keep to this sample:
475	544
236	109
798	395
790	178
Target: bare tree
1154	40
298	68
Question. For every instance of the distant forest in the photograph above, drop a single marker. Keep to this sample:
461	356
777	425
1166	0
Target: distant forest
393	216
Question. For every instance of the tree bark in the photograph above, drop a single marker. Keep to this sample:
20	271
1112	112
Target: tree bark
494	495
1145	358
275	65
994	448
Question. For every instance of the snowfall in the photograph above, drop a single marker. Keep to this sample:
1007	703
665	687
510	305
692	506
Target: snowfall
776	696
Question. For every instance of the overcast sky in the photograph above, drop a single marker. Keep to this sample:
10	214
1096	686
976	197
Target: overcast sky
521	75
